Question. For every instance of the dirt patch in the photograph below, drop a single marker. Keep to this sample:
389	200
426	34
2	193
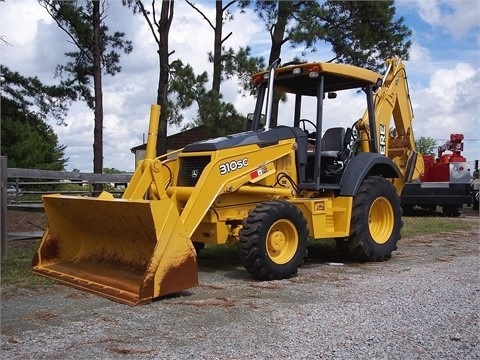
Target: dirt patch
24	220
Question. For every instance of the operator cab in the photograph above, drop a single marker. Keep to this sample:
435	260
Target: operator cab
322	154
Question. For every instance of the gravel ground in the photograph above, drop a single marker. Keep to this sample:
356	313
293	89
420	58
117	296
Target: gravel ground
422	304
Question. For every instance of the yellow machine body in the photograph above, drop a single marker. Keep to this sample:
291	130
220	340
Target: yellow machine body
219	191
134	250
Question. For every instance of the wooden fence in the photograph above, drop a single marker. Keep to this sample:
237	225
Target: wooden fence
19	186
22	184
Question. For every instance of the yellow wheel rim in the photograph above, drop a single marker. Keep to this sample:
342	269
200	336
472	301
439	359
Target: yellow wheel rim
282	241
381	220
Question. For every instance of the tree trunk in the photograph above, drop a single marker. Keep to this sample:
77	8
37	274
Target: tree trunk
217	48
166	16
277	41
97	85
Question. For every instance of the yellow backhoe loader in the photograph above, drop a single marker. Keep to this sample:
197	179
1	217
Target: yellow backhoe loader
269	190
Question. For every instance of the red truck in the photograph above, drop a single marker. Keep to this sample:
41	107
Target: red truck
446	181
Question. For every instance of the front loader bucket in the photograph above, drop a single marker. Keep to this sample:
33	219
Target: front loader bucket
129	251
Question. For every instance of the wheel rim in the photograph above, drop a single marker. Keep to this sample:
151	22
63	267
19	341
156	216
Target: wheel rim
282	241
381	220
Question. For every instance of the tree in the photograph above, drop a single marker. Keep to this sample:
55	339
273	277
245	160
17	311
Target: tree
228	62
30	93
112	171
189	88
217	116
82	21
221	14
426	145
362	33
27	145
160	29
27	139
243	66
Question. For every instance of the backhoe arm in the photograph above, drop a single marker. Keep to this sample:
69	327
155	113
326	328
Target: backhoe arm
392	101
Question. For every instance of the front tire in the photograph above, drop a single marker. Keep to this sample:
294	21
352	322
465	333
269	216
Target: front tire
273	240
376	221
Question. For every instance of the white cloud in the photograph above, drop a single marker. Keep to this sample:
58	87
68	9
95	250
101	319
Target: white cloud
419	54
24	16
457	18
450	105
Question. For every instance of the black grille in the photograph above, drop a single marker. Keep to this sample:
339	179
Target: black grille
190	169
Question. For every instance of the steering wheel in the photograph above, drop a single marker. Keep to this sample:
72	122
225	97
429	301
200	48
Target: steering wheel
302	124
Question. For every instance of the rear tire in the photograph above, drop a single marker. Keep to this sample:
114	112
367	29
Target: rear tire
408	210
273	240
376	221
452	210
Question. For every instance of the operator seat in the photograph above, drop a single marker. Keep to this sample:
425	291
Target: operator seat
333	142
336	143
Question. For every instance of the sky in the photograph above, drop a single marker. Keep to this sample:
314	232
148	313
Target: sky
443	70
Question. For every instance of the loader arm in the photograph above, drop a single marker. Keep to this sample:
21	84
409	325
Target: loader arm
378	134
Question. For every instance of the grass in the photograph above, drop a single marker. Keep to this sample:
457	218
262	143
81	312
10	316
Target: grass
423	225
16	268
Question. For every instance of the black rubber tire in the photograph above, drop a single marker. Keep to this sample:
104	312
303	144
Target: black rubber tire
343	245
376	221
408	210
452	210
431	208
273	240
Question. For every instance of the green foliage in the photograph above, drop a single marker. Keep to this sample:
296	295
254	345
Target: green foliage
186	89
28	147
112	171
219	118
28	93
82	21
426	145
362	33
27	140
243	65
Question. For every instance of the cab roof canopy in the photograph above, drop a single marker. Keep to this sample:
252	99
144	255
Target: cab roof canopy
300	78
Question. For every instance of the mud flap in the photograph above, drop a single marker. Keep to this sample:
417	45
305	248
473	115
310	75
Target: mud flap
130	251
